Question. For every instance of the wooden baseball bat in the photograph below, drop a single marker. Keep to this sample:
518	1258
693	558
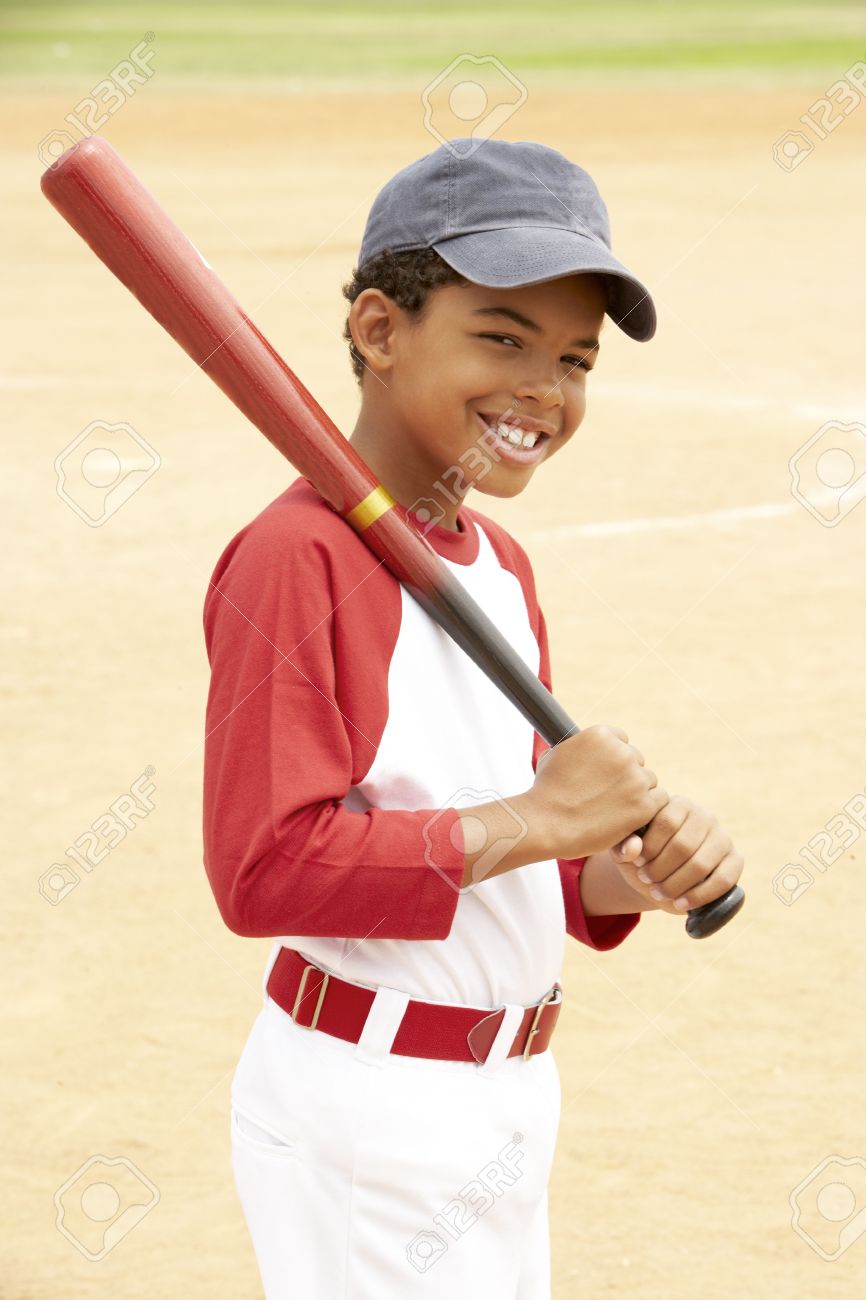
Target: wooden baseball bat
94	190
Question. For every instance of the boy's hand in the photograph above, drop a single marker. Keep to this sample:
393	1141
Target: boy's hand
590	789
685	859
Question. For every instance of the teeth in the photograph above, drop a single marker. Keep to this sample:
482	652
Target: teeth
514	435
517	439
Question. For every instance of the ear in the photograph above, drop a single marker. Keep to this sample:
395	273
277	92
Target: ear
373	322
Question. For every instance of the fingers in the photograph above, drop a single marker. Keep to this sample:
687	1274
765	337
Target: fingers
645	811
659	799
669	822
692	838
714	885
695	869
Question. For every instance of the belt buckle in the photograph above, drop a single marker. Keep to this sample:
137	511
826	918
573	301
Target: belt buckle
533	1028
300	996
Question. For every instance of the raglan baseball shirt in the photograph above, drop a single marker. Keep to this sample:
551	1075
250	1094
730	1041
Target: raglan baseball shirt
344	729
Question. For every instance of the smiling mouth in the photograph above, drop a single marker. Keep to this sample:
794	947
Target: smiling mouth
524	433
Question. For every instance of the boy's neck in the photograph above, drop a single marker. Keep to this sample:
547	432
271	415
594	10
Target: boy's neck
398	468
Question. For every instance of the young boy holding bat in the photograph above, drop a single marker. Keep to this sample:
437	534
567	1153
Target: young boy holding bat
376	807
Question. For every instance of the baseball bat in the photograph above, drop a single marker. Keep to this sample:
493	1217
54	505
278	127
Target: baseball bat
105	203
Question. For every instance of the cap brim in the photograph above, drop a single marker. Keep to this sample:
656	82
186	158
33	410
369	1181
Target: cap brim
516	256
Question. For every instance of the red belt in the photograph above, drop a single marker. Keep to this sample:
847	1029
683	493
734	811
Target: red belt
317	1000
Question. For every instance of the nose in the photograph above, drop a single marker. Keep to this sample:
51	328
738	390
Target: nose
543	388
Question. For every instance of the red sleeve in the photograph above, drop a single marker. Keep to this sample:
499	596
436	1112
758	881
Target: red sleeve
601	932
295	711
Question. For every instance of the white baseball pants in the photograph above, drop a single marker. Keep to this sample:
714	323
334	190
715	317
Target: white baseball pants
367	1176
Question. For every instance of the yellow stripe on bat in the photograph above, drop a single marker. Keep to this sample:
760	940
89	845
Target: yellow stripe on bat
366	512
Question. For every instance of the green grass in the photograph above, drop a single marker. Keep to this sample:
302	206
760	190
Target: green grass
215	40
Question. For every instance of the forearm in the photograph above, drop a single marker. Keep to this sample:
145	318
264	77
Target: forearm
501	836
495	828
604	892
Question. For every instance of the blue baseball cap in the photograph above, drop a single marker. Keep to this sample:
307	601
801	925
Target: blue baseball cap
506	214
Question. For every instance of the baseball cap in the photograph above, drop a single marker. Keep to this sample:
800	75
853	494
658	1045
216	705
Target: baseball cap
506	214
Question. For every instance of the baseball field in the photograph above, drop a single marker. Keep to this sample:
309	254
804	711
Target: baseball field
699	557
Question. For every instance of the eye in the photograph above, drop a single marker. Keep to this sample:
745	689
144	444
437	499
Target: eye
500	338
573	363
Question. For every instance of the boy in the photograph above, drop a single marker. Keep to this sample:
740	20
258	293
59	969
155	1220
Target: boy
375	805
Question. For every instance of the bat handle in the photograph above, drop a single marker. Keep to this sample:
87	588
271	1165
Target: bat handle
706	920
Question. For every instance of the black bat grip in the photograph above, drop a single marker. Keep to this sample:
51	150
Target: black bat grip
466	623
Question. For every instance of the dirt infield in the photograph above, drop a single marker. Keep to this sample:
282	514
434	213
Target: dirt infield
689	597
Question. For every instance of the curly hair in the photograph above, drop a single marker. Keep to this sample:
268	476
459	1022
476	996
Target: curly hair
408	277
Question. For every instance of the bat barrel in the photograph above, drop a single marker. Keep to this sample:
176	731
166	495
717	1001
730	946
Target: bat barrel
106	204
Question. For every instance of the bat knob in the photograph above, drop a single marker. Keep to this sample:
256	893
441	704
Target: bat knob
703	921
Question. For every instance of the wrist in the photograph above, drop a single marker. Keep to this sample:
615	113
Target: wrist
546	833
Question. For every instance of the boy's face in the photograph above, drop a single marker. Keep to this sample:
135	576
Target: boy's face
440	385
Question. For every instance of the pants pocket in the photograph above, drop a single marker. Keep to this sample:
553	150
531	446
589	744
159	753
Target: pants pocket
257	1136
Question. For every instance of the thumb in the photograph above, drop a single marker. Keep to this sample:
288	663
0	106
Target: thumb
628	849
